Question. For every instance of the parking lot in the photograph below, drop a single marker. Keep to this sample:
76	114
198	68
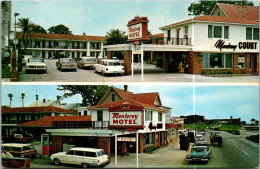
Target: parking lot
235	152
151	74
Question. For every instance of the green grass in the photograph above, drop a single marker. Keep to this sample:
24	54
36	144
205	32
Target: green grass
224	127
6	72
228	127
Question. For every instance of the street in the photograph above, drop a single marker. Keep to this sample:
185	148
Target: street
236	152
151	74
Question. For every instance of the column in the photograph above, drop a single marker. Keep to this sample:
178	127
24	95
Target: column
104	143
165	61
57	145
109	54
88	47
127	61
235	63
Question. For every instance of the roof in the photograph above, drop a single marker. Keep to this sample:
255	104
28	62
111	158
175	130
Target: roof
36	109
46	121
86	149
121	102
147	98
15	144
122	93
156	35
43	104
170	125
63	37
238	11
211	18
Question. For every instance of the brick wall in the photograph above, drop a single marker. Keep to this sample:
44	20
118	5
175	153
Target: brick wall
104	143
141	144
165	61
127	61
109	54
57	144
195	63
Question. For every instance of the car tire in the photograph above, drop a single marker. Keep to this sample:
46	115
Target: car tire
95	70
102	73
56	161
85	165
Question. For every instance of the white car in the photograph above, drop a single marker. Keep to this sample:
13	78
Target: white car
81	156
36	64
25	59
201	141
109	66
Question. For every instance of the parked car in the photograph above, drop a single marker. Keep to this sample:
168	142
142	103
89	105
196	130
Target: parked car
81	156
36	64
19	149
86	62
25	59
109	66
201	141
199	153
66	64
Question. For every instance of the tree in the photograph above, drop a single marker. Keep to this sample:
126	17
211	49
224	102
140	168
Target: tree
243	123
256	122
26	27
59	29
38	29
23	95
5	106
10	95
115	36
205	7
252	120
91	94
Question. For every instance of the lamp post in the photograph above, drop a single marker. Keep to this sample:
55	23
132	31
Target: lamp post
15	15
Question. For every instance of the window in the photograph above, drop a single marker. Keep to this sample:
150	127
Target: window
56	43
226	30
16	149
186	29
70	152
157	138
148	139
168	35
100	116
148	115
217	31
256	34
85	112
210	31
25	148
248	33
160	116
241	62
90	154
84	53
217	60
113	97
218	13
79	153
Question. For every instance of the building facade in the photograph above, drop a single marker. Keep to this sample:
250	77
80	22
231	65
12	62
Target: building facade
74	46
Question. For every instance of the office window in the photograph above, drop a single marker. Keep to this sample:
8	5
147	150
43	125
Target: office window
217	60
160	116
248	33
226	32
210	31
113	97
148	115
205	60
241	62
229	61
217	31
99	115
256	34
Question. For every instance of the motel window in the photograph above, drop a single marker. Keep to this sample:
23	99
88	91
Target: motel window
210	31
160	116
217	31
248	33
217	60
218	13
226	32
256	34
148	115
85	112
56	43
186	29
113	97
148	139
37	43
168	35
241	62
100	116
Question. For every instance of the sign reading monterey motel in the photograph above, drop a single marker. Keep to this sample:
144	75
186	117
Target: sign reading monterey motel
138	29
126	119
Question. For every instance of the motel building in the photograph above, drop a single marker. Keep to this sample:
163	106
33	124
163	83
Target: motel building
226	40
46	46
122	122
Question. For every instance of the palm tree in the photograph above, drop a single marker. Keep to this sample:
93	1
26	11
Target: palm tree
115	36
37	98
252	120
23	95
26	27
257	122
10	95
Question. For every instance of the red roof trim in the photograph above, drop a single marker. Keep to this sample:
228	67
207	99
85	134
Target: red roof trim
36	109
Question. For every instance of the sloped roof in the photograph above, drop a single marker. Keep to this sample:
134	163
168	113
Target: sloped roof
156	35
43	104
63	37
122	93
238	11
36	109
212	18
46	121
121	102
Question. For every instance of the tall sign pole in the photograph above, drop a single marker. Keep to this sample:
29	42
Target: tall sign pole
137	147
142	61
132	63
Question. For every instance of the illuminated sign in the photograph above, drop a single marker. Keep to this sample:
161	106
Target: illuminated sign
126	118
135	31
220	44
126	139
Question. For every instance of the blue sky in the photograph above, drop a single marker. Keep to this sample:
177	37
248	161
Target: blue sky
210	101
98	17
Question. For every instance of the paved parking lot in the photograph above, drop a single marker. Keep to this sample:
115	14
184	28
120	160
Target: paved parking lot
151	74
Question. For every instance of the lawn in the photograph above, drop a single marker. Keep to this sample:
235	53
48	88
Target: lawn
223	127
6	72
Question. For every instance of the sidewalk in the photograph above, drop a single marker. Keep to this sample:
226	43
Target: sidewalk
169	156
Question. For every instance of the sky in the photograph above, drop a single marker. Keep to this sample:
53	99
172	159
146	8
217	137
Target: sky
98	17
211	101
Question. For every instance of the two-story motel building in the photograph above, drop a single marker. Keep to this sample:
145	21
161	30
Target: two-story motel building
227	39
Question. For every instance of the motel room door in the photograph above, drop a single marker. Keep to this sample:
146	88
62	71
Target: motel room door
253	63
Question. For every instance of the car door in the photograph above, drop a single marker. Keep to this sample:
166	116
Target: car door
78	157
68	158
101	156
90	158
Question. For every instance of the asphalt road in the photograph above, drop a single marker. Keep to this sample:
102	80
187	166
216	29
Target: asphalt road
151	74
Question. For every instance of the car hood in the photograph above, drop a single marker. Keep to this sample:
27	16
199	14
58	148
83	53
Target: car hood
36	63
60	153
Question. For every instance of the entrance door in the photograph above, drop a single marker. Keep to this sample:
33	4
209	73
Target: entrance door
253	62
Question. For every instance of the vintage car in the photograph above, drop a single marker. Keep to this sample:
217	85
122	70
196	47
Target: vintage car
36	64
19	149
109	66
25	59
199	153
66	64
86	62
201	141
84	157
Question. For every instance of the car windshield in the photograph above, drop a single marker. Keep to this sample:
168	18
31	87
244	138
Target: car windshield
16	149
114	64
28	148
100	153
19	136
200	149
35	60
66	60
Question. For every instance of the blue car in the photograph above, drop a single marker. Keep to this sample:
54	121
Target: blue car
199	153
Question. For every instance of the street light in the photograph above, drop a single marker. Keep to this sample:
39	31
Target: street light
15	15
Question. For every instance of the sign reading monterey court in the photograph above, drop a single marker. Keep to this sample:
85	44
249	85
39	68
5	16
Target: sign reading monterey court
220	44
126	118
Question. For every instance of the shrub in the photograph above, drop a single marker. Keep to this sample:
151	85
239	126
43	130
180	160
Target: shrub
6	71
150	149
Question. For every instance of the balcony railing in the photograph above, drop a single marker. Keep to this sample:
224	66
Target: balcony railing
58	47
169	41
71	124
100	124
15	121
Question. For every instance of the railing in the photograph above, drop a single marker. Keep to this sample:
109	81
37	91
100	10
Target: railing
100	124
58	47
15	121
71	124
169	41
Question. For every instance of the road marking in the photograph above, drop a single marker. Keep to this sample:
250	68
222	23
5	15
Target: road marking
245	153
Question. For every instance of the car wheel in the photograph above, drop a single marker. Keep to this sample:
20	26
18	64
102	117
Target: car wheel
95	70
102	72
56	161
85	165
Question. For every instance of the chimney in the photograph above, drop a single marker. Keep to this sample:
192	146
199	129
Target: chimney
125	88
43	100
84	33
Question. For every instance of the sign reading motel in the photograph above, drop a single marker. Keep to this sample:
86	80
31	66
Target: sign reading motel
138	29
123	119
135	31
